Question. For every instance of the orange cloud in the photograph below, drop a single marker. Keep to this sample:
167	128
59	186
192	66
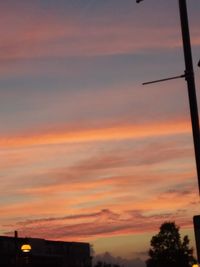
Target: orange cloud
96	224
96	135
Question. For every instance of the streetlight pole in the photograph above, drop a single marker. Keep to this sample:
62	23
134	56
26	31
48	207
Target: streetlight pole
189	77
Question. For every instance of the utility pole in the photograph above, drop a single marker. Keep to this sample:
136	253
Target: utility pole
189	77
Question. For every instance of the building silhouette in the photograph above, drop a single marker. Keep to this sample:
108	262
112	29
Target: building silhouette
43	253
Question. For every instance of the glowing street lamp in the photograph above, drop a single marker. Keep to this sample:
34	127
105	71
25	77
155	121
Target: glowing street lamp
26	248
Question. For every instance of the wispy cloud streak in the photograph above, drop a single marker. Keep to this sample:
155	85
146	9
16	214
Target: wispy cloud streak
89	135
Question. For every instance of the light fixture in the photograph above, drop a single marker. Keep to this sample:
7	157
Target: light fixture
26	248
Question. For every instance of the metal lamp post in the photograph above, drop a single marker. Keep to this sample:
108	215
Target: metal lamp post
190	83
189	77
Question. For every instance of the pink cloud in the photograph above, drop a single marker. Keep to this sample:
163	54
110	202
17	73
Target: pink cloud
52	35
102	223
82	199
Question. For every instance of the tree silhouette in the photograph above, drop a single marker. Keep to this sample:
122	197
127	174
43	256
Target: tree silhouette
168	250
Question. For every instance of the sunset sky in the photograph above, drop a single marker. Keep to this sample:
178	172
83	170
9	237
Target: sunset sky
87	152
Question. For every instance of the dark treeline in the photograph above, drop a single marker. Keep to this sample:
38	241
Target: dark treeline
104	264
